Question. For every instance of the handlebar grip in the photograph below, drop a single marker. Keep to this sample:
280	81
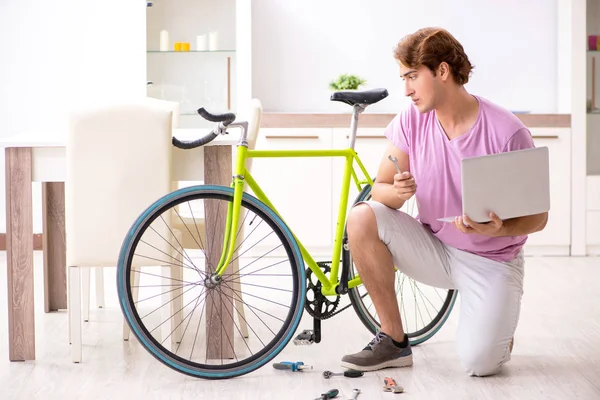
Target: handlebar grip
226	118
194	143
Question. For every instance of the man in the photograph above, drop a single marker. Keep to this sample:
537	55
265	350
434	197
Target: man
443	125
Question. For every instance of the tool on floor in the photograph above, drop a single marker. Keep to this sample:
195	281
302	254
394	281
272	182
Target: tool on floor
329	395
355	393
395	161
350	373
392	386
294	366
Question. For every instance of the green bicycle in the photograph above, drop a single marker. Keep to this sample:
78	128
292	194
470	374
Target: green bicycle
213	282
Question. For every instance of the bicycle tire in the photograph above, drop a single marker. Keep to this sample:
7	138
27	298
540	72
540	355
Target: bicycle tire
150	343
369	321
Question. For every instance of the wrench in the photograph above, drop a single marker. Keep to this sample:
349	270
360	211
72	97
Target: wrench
395	161
355	394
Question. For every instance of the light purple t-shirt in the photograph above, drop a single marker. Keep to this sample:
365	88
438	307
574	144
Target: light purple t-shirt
435	163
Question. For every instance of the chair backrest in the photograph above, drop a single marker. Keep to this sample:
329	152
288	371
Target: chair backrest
167	105
118	163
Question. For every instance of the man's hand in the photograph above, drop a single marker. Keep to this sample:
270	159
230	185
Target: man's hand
405	185
492	228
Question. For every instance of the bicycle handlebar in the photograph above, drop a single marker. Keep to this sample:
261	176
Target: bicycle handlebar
223	120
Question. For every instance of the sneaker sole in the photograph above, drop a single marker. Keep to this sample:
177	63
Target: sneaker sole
395	363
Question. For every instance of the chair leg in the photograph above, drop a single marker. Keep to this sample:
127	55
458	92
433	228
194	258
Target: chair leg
100	287
85	291
134	291
75	312
239	305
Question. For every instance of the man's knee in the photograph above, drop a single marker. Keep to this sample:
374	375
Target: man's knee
482	360
361	222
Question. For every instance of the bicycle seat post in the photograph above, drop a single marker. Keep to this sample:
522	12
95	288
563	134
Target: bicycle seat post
356	110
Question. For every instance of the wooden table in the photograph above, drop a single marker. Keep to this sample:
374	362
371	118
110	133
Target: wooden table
41	157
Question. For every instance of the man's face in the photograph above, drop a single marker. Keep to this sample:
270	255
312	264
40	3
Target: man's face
420	85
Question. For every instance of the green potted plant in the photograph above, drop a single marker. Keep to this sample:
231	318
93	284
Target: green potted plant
346	82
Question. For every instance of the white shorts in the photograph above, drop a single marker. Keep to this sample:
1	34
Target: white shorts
490	291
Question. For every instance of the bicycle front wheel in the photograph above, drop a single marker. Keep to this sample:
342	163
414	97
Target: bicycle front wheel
181	312
424	309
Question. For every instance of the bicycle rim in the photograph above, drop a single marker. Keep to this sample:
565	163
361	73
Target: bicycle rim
165	348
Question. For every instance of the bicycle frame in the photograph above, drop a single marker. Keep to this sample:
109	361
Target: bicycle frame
241	175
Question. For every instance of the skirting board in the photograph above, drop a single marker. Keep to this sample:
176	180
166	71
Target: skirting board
547	251
37	241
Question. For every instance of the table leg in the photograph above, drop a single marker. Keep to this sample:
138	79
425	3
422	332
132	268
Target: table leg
19	254
219	305
54	247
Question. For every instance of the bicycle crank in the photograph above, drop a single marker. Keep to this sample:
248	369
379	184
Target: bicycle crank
317	305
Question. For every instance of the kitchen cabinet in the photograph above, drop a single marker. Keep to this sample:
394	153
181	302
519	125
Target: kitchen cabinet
593	214
299	188
555	239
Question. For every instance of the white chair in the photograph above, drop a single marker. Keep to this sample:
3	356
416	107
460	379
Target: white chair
118	163
173	107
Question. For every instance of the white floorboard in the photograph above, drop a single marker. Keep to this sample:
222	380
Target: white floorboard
556	353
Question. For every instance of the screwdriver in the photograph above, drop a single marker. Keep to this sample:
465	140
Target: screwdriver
329	395
350	373
293	366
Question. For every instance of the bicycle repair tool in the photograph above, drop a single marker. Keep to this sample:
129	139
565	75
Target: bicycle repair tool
392	386
329	395
355	393
395	161
293	366
350	373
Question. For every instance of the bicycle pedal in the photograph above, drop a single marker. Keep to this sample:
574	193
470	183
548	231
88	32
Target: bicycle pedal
305	338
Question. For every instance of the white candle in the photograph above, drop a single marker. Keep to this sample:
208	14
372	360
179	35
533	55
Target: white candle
213	41
201	43
164	40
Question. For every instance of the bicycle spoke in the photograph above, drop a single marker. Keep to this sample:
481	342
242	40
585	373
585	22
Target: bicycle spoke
200	245
160	294
264	287
176	249
262	269
153	311
166	262
190	313
256	315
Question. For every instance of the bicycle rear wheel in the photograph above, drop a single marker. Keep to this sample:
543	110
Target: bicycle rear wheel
423	309
181	313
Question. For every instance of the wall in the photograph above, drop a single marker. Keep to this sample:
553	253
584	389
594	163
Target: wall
64	54
298	47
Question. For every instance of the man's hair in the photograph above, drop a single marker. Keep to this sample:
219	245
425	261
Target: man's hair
431	47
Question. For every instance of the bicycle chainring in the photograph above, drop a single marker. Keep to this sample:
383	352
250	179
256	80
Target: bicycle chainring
314	295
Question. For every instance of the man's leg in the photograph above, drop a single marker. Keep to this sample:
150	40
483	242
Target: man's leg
375	266
490	306
381	238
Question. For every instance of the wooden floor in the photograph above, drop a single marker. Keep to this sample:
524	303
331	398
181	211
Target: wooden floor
556	353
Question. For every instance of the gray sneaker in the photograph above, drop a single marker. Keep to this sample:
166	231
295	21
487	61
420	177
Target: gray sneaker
380	353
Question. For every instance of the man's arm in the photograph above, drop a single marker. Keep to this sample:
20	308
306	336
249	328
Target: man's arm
523	225
383	189
510	227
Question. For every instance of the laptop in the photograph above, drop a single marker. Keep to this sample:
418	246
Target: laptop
511	184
